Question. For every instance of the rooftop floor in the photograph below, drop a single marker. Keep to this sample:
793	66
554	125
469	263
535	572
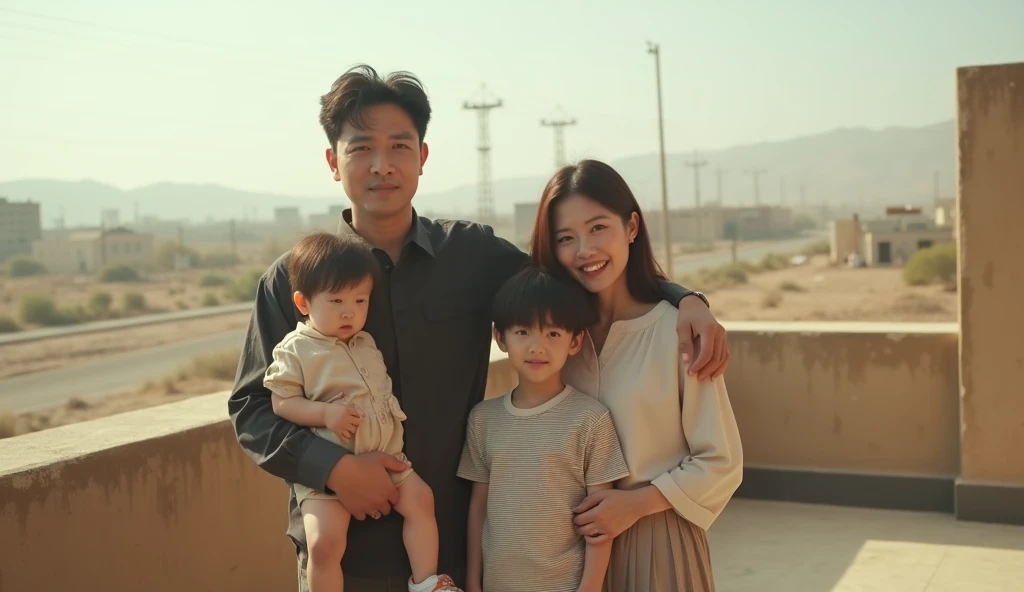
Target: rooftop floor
772	546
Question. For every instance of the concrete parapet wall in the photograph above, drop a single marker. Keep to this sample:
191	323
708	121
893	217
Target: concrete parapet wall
163	498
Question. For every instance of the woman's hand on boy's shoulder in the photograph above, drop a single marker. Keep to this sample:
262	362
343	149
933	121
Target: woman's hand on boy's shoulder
702	339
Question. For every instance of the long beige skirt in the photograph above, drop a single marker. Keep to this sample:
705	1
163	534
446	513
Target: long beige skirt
661	553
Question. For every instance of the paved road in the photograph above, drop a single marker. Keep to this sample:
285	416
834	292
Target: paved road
750	253
92	379
99	326
109	374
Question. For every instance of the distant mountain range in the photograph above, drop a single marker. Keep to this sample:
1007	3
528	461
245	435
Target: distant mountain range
852	167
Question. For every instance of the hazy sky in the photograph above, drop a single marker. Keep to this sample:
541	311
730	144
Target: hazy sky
226	91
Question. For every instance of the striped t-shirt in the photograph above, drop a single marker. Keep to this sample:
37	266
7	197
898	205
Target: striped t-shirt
538	463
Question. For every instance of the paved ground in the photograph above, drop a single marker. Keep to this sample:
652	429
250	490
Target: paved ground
770	546
743	253
100	326
106	375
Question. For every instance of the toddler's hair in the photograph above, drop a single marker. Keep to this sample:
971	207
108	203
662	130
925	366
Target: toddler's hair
325	262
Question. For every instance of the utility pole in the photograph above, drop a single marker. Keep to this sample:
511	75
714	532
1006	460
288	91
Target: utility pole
655	50
485	196
559	125
696	165
935	188
756	174
733	213
718	185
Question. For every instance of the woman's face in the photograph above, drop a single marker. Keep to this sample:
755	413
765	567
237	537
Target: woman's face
592	242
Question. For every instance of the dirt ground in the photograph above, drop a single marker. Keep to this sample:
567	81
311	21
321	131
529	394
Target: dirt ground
49	354
818	291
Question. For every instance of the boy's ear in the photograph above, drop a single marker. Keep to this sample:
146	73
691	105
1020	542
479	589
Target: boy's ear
499	339
300	303
576	344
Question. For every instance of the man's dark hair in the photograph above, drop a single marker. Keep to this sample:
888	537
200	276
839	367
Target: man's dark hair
535	297
324	262
361	87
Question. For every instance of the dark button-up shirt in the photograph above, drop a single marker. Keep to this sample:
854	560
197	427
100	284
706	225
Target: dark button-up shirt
430	317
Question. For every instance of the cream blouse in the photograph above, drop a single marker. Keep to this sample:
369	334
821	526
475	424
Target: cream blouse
676	432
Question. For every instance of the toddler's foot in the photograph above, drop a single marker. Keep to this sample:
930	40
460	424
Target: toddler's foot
441	583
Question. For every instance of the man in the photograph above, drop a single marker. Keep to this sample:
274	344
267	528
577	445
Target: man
429	316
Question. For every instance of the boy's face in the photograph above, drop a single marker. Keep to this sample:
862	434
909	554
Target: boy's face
379	166
538	353
339	314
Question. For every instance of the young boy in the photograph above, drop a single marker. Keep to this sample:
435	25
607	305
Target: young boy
328	374
534	453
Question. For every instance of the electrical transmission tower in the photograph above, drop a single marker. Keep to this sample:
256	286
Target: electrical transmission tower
485	191
559	123
696	165
756	174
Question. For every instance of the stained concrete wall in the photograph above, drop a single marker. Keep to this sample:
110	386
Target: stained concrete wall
873	398
162	499
991	211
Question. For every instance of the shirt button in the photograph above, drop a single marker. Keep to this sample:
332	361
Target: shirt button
362	371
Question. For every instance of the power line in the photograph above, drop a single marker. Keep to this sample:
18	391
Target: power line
485	196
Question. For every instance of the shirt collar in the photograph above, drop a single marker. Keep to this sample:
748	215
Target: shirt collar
418	235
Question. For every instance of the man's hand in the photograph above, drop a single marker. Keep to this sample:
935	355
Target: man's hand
697	323
362	484
343	420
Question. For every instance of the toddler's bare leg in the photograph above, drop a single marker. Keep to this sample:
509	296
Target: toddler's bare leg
326	522
416	505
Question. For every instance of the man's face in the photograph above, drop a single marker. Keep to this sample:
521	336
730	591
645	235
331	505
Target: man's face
379	166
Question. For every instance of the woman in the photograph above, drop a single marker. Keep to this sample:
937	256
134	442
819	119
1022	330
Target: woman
678	434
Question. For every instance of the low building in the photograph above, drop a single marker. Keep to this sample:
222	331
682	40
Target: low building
945	212
886	241
87	251
20	224
326	222
524	216
894	247
846	238
287	216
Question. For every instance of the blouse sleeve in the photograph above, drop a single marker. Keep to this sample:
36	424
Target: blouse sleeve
701	486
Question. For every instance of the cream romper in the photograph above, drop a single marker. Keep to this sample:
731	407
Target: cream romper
323	368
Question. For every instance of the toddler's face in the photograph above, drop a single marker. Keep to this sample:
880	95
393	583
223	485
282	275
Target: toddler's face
538	353
339	314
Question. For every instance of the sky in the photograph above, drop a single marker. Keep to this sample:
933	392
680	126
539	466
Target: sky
226	91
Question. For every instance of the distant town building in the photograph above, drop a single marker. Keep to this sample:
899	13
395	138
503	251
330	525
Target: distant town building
326	222
945	212
111	218
524	216
886	241
287	216
87	251
20	224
